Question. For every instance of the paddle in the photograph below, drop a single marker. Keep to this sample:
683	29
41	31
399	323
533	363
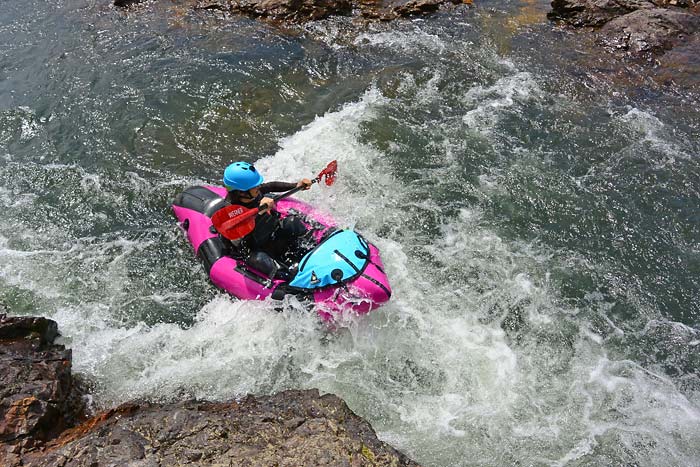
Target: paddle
235	221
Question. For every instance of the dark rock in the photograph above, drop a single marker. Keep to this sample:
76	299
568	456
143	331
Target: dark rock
681	65
651	30
386	10
418	7
126	3
285	10
298	11
38	395
594	13
640	28
12	328
678	3
290	428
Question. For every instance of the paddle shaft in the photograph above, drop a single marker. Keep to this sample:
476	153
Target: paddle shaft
292	191
253	212
235	215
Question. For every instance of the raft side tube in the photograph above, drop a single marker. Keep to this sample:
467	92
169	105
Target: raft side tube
200	199
197	226
247	285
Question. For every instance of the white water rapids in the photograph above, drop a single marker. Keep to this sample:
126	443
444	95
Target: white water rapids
480	358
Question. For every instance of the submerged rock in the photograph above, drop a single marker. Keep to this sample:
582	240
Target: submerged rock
40	406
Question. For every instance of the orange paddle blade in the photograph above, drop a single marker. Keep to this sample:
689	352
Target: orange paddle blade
329	172
234	221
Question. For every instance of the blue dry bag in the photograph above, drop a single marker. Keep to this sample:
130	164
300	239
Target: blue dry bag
338	259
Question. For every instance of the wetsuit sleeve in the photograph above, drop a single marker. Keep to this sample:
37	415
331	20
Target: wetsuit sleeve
276	187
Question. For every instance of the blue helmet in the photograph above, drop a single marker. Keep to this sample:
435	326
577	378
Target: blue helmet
241	176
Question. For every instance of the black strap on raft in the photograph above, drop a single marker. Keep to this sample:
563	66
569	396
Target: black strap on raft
357	271
345	258
378	284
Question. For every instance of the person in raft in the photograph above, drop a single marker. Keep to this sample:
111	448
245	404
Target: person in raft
275	243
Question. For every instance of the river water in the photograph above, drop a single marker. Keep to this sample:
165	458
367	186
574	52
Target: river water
537	209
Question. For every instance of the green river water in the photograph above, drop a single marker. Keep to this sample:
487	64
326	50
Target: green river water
538	216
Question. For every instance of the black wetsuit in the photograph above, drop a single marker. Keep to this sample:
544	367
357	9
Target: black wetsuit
277	238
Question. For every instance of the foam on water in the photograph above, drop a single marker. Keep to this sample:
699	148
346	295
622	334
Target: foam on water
490	101
233	348
411	40
652	132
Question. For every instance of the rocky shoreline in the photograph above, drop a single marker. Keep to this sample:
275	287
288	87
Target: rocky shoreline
44	420
301	11
639	28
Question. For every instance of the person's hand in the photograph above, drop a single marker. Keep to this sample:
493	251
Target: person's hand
305	182
267	204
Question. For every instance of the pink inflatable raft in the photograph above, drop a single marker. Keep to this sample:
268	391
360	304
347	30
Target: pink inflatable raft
342	272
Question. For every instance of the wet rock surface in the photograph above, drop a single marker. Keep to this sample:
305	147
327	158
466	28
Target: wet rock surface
42	420
388	10
284	10
640	28
38	395
681	65
290	428
649	30
594	13
300	11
